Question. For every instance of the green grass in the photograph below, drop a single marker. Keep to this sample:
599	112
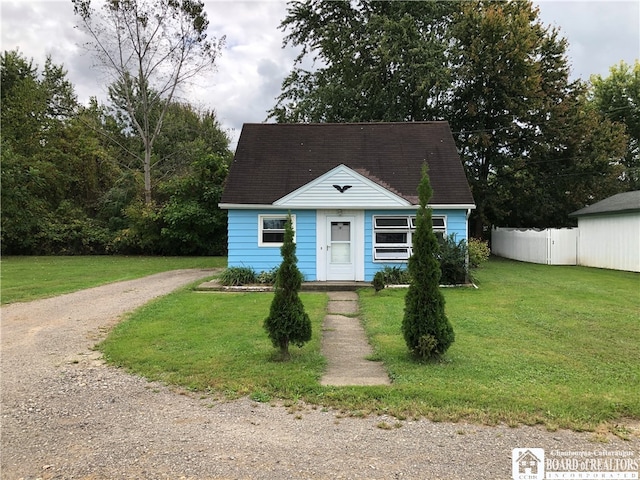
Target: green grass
28	278
534	344
216	342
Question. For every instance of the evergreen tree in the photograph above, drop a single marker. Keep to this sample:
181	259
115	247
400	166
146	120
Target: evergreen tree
287	321
425	326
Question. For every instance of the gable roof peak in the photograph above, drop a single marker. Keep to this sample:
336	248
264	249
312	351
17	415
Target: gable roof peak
272	160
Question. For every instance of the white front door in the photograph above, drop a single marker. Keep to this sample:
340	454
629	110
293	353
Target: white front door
340	253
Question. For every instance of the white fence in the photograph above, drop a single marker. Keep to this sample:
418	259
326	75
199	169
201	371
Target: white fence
551	246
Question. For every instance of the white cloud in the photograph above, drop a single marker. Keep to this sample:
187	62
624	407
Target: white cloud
600	33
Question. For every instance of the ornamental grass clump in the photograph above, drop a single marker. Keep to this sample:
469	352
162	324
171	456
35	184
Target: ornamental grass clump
288	323
426	329
236	276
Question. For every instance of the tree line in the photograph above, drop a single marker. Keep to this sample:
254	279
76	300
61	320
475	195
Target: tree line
143	174
536	146
72	177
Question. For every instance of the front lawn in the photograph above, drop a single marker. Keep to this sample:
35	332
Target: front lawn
215	342
30	277
534	344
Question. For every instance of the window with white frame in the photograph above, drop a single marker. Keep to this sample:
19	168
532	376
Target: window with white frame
392	236
271	229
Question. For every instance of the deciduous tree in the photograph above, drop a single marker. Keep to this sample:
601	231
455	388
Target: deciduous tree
490	68
184	219
39	168
376	61
150	49
617	97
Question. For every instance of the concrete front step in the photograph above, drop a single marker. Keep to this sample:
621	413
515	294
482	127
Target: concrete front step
334	286
215	286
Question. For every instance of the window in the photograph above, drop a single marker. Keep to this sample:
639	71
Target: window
392	236
439	227
271	229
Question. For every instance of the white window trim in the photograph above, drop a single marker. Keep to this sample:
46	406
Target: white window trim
409	232
274	216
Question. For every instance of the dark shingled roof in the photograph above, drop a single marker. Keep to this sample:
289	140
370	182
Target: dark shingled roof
620	203
272	160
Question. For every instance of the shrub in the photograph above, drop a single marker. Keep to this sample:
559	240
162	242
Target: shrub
69	231
396	276
287	321
235	276
425	327
453	260
479	252
267	278
142	236
390	276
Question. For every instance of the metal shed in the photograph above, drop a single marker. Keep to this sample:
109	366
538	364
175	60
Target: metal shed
609	233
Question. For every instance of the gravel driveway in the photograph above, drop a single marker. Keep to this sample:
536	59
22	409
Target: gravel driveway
65	414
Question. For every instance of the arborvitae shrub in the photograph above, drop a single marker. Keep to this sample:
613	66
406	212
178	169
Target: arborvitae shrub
426	329
288	323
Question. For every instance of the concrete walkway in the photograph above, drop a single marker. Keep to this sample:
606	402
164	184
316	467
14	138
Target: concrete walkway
345	345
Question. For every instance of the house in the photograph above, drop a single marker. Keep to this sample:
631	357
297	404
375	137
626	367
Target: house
609	233
528	463
351	190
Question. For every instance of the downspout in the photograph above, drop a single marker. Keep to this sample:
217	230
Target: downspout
466	260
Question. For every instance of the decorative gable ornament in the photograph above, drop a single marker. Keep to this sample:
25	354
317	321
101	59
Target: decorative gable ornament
342	187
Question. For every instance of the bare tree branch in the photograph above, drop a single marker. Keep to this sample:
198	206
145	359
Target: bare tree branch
151	48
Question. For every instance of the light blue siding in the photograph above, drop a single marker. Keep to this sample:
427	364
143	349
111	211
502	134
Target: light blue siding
456	223
245	252
243	241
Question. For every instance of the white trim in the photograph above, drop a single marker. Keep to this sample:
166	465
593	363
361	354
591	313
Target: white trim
251	206
357	217
360	191
449	206
261	243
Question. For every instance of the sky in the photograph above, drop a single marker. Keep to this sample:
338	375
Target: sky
254	63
